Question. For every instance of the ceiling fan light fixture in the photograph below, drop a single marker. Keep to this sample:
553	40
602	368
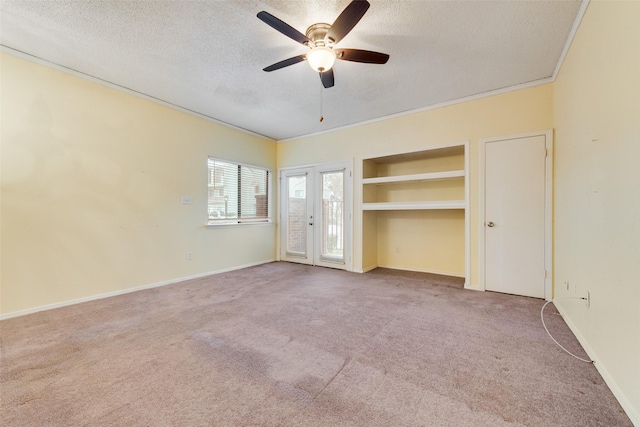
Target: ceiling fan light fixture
321	58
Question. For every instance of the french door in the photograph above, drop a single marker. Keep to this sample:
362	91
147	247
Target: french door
315	215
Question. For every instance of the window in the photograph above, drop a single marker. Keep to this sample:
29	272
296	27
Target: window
237	193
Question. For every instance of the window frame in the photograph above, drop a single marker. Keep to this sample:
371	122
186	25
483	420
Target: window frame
226	222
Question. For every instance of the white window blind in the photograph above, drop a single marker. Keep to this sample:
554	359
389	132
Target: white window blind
237	193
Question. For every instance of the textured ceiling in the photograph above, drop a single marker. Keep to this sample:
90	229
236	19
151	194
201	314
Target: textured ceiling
208	56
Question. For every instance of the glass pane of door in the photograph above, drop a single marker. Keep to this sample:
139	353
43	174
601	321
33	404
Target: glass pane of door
332	216
297	215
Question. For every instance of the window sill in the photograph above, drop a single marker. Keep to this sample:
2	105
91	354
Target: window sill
239	224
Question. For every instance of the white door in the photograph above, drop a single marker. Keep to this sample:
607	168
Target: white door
315	220
514	226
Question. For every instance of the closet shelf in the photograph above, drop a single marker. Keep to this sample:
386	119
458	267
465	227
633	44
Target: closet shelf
422	205
415	177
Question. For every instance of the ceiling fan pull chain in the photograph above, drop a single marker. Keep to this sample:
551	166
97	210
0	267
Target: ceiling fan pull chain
321	104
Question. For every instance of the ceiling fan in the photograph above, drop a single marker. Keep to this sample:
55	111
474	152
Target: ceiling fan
321	38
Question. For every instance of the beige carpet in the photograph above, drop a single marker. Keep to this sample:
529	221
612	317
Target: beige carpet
290	345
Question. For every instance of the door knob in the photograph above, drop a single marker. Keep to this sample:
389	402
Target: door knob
310	223
490	224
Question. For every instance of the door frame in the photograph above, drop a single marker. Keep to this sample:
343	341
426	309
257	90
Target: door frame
318	168
548	207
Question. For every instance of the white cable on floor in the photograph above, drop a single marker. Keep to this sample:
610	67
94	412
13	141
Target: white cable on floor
549	333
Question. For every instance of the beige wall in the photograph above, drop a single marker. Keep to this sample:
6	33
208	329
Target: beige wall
92	180
597	192
514	112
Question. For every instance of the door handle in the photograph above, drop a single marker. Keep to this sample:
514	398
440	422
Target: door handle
490	224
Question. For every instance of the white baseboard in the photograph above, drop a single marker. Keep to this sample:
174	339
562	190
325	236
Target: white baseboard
124	291
364	270
472	287
631	412
442	273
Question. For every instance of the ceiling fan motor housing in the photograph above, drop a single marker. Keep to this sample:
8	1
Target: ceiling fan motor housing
317	33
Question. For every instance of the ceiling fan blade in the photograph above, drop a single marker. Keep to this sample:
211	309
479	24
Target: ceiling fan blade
348	19
286	63
358	55
327	78
283	27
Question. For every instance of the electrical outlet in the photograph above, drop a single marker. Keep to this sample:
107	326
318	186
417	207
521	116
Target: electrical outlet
588	299
187	200
566	284
397	249
189	255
